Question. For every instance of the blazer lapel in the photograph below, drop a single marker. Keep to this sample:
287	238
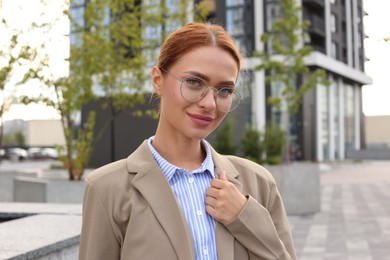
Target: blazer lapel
225	240
152	184
225	243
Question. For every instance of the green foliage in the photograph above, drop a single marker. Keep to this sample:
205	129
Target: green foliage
201	11
284	58
224	138
116	40
252	145
16	138
274	141
264	147
283	62
76	154
14	55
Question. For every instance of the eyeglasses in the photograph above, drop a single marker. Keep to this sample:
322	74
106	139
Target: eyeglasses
193	89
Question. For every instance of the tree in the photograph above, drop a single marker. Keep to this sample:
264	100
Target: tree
252	145
224	138
112	44
16	55
283	63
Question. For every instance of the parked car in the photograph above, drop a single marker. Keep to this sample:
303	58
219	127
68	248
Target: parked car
15	154
42	153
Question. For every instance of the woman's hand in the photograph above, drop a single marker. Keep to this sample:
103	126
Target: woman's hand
223	200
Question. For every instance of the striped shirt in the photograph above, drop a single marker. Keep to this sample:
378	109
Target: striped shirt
190	190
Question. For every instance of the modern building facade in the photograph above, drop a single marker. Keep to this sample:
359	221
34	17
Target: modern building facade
330	121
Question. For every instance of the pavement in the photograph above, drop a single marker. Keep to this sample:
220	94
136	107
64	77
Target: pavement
354	221
11	169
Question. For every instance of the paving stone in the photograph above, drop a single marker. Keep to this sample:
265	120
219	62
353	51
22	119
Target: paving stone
354	222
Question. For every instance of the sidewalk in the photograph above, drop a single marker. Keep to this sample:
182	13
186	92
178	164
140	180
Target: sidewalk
354	222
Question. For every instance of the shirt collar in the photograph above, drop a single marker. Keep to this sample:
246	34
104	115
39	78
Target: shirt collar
169	169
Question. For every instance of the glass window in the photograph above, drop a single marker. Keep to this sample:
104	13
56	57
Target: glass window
273	13
334	50
78	2
349	133
325	121
359	39
278	114
234	2
77	14
336	120
173	6
333	23
235	21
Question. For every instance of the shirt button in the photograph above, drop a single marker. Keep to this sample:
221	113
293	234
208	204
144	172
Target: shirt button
191	180
205	252
199	213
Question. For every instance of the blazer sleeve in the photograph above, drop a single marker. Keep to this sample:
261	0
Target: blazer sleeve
98	240
265	232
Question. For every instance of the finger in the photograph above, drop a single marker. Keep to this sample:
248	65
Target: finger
210	210
222	175
210	201
212	192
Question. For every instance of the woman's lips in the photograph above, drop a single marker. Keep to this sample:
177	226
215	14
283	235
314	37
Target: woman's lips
200	119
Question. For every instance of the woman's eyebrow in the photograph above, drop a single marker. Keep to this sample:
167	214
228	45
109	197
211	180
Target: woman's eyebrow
206	78
199	75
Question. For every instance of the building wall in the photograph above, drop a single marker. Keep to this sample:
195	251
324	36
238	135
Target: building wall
330	121
44	133
377	129
117	138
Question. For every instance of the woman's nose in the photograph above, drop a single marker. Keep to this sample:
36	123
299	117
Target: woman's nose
209	100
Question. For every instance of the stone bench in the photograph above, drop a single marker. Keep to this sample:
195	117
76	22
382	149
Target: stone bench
39	231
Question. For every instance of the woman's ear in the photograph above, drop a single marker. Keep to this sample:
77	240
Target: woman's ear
157	80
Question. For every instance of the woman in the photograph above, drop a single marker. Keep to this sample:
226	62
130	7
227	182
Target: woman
175	197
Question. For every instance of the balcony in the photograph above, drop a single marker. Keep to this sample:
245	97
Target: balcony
313	3
317	24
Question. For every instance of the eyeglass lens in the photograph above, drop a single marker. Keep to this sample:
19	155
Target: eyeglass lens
227	99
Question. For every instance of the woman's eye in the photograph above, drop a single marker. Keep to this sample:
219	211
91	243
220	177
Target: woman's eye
194	83
225	91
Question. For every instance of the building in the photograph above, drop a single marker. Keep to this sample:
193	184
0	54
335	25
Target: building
377	129
37	133
330	122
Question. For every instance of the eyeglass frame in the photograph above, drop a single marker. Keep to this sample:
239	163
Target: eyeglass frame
207	88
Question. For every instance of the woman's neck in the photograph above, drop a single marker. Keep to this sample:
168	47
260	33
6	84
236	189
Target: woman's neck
181	152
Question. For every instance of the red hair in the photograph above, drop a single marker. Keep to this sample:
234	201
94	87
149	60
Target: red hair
194	35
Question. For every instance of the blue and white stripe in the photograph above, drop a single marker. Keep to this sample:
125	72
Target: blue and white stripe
190	190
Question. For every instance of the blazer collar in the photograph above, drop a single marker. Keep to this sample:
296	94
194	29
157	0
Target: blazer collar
225	240
151	182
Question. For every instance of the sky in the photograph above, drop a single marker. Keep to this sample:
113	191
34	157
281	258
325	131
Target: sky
22	13
376	97
376	24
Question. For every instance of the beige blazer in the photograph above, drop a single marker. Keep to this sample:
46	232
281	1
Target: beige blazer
130	212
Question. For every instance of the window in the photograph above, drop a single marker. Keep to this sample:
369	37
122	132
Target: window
324	99
334	50
273	12
235	21
332	1
234	2
349	128
333	23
